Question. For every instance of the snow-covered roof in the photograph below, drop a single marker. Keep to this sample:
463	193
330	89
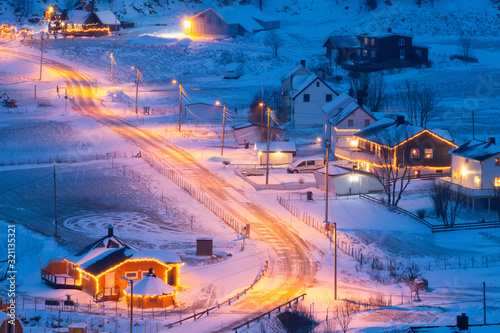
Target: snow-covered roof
233	66
78	16
382	35
99	247
107	259
307	82
340	42
241	15
476	150
151	285
293	71
334	170
107	17
275	146
341	107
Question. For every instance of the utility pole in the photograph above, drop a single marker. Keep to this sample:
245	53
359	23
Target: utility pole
335	258
472	124
484	302
41	59
55	200
136	89
112	60
180	104
267	156
223	129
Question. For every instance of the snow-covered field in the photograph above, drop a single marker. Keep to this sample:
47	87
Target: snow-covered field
101	182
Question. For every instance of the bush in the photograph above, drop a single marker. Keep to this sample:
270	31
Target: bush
372	4
421	213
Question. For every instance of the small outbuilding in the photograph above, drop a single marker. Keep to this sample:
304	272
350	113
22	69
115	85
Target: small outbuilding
151	292
252	132
279	152
10	324
343	181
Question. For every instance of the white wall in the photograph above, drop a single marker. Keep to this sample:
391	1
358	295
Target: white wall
490	171
275	158
309	114
472	168
351	183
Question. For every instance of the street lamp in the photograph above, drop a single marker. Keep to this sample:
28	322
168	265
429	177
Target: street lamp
137	88
261	104
131	299
112	60
180	102
223	127
267	157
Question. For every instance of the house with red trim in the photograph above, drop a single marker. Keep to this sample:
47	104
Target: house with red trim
98	267
404	146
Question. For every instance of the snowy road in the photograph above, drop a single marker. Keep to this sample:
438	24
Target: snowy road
291	266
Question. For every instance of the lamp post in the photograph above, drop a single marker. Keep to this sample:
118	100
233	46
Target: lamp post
180	102
137	88
112	60
223	127
261	104
267	156
41	59
131	299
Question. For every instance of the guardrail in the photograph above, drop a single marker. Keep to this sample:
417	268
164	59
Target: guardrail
228	301
268	313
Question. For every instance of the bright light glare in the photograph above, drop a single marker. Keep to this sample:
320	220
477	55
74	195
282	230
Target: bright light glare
187	24
464	171
217	103
318	139
354	143
174	81
353	178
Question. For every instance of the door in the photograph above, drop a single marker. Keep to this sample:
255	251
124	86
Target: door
109	283
401	54
417	173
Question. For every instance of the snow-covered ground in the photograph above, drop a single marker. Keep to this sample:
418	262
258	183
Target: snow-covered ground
100	182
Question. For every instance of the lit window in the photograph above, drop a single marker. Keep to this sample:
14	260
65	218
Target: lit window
428	153
415	153
365	53
497	181
307	98
497	161
373	41
366	40
477	180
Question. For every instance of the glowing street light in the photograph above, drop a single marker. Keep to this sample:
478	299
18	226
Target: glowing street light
131	299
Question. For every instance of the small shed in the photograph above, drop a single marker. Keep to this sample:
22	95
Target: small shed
10	324
77	328
151	292
279	152
343	181
204	246
253	132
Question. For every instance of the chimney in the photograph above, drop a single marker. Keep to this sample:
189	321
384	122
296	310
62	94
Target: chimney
389	29
361	101
110	231
491	140
303	63
400	120
462	322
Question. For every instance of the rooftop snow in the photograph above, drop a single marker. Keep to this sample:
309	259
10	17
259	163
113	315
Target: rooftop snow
340	42
276	146
476	150
151	285
107	17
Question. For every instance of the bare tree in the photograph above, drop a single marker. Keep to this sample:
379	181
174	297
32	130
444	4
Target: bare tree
345	315
465	44
24	7
376	96
270	96
274	41
448	203
456	204
394	178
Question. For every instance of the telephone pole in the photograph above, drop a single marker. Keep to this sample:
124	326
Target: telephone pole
223	129
41	59
136	89
112	60
180	104
268	137
55	200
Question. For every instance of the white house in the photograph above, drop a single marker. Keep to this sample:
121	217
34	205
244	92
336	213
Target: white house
308	100
292	79
343	118
279	152
343	181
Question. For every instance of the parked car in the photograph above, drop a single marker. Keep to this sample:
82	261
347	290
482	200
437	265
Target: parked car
233	70
306	165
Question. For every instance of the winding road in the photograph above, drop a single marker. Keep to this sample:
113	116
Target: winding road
291	267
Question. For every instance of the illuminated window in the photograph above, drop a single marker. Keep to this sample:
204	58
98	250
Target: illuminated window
477	180
365	53
428	153
307	98
366	40
497	181
415	153
373	41
497	161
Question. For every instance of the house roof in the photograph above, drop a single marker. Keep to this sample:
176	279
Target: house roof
251	123
382	35
275	146
293	71
78	16
340	42
105	244
307	82
245	16
387	132
344	105
476	150
334	171
107	260
107	17
151	285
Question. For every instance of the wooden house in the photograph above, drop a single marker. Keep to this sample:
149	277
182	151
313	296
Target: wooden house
387	50
344	117
475	172
308	101
229	21
150	292
279	152
341	48
396	142
98	267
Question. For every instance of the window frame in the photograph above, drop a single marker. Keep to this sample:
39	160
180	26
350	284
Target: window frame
415	153
477	180
306	98
496	182
128	273
329	97
497	161
402	42
427	153
367	122
350	123
373	53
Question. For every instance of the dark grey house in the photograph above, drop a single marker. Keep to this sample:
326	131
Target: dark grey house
341	48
